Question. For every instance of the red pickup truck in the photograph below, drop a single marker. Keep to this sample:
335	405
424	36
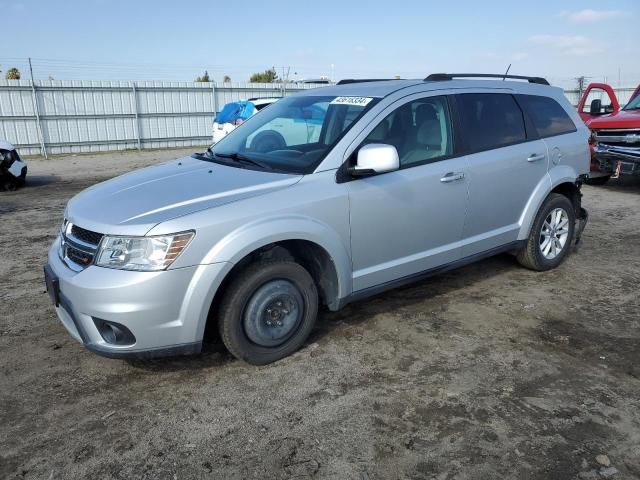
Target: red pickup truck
615	138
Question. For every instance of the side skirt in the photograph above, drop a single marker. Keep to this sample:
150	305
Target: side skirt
416	277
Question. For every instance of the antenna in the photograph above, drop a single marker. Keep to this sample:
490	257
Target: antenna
505	73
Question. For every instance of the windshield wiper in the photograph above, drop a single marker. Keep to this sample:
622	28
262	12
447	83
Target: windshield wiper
242	159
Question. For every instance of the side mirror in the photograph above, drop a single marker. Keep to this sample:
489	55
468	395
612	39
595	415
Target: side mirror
376	158
596	107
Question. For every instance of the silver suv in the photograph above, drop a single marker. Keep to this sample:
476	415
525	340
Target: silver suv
406	178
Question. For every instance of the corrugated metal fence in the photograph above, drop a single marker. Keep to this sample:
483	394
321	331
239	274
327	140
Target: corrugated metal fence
60	116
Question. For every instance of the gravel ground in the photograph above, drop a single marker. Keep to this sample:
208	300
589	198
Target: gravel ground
490	371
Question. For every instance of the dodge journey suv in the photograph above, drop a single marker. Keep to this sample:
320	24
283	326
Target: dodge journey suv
405	178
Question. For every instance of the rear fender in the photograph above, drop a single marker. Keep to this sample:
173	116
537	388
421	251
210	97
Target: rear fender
558	175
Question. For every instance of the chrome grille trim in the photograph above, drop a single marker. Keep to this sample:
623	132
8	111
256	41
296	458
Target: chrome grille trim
86	236
76	252
629	137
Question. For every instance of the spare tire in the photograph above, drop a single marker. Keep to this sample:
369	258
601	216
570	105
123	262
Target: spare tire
268	141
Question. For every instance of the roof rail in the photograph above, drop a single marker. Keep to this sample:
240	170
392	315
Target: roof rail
347	81
438	77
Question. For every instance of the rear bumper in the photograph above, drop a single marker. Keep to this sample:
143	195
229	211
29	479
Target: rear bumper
164	311
220	133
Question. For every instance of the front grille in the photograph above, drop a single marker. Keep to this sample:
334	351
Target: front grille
86	236
79	246
619	137
78	257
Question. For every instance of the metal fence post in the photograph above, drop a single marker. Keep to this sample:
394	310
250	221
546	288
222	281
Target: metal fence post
36	109
215	97
135	109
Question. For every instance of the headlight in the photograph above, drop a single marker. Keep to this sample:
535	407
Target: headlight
145	254
593	139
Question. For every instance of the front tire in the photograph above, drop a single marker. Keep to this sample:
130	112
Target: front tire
268	311
551	234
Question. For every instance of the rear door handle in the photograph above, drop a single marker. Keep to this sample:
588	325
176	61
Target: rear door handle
452	177
535	157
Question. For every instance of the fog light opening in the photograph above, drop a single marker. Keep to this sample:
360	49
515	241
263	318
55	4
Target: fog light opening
114	333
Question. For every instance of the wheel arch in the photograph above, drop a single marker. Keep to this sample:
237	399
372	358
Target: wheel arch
562	180
312	256
313	244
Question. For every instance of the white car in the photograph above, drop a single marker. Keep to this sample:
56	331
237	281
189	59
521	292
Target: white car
296	128
13	170
221	130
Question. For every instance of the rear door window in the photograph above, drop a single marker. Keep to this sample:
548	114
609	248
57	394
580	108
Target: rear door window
490	120
548	117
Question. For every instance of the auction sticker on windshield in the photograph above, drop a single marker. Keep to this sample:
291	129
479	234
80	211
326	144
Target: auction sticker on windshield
357	101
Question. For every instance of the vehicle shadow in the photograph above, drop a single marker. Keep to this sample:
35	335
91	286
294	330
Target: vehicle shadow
212	355
629	184
32	181
413	294
215	354
40	180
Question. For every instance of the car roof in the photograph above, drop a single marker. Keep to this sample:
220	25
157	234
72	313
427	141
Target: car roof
6	145
364	89
383	88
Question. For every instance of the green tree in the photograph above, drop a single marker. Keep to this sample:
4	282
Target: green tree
226	79
13	74
268	76
203	78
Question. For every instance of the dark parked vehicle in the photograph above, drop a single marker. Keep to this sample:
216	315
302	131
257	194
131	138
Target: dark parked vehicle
13	170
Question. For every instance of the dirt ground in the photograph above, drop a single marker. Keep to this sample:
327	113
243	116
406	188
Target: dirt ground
491	371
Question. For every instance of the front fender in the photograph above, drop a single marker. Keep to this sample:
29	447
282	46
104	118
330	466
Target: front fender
558	175
250	237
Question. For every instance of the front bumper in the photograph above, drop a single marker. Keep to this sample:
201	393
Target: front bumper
609	158
165	311
16	173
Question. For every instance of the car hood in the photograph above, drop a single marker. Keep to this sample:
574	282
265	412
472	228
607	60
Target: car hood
620	119
134	203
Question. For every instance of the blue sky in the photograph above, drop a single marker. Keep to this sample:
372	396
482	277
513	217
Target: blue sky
173	40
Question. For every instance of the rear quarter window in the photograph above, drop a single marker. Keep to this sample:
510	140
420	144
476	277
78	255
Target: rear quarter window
547	116
490	120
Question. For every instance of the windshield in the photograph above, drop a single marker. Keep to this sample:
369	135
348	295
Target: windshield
634	104
293	135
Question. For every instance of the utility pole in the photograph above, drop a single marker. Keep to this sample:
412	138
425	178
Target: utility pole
619	78
581	81
31	69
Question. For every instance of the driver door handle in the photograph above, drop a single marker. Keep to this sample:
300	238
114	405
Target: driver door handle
534	157
452	177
